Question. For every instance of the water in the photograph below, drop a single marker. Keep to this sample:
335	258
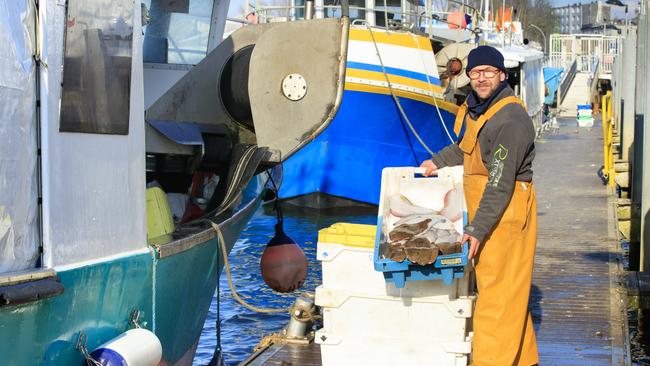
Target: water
242	329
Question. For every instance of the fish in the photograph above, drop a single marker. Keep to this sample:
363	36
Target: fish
400	206
448	236
444	225
453	209
421	251
411	219
405	231
430	235
395	251
450	248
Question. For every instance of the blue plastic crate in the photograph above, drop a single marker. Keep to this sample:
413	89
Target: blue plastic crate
445	268
584	106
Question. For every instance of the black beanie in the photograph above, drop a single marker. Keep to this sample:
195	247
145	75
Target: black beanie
485	55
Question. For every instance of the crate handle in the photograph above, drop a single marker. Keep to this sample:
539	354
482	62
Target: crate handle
420	171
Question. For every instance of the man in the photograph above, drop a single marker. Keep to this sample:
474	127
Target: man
497	150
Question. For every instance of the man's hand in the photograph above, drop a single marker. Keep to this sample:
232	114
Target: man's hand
430	168
473	245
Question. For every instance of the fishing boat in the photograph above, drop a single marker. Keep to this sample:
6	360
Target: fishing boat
396	110
393	111
107	123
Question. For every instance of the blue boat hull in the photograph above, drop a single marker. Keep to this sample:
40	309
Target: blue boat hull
366	135
171	287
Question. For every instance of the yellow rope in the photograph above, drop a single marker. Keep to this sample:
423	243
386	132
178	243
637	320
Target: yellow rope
222	244
273	338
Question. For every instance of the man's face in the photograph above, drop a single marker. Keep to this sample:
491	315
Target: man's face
485	80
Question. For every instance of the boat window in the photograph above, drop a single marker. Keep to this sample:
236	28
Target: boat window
178	31
97	67
333	9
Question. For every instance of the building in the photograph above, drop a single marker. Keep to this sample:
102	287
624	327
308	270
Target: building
572	18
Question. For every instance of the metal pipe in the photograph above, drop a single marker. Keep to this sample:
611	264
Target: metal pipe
345	9
542	32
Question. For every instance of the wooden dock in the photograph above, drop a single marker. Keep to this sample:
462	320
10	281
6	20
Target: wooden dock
578	294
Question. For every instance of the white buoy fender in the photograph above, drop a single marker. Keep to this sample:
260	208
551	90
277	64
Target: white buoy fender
135	347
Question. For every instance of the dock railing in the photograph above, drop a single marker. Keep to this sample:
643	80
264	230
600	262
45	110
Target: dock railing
586	49
566	81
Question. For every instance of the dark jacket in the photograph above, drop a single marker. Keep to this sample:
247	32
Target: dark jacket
511	129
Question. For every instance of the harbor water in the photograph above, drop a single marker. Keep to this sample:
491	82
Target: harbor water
242	329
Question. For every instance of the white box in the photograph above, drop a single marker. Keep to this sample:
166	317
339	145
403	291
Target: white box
427	192
389	350
351	269
427	318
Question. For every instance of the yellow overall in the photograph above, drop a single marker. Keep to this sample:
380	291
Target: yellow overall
503	327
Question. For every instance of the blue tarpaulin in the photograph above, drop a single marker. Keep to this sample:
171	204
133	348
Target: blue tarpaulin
552	77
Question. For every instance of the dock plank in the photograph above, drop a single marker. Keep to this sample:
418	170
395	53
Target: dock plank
578	314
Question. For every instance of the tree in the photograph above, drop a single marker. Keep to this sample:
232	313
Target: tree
540	13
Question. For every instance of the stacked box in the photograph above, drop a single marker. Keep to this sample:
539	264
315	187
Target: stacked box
585	116
367	319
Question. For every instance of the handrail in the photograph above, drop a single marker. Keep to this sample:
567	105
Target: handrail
263	12
566	82
594	79
608	151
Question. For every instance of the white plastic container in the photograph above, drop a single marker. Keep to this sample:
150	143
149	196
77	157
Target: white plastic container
350	269
586	123
389	350
427	192
430	318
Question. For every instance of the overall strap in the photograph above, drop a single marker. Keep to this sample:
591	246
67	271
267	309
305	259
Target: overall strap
460	118
472	127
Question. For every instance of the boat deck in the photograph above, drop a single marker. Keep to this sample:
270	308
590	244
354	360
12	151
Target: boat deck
577	299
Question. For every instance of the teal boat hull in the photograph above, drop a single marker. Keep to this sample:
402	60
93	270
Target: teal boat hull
171	286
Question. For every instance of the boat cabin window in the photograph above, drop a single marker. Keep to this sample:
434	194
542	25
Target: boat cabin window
177	32
97	67
333	9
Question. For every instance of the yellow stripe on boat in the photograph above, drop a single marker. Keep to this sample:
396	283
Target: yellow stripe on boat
397	39
442	104
379	76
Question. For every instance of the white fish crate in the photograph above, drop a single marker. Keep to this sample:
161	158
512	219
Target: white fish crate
351	269
585	122
388	350
433	318
428	193
392	330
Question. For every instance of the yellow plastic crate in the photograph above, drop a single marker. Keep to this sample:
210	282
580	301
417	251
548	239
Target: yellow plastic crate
354	235
159	216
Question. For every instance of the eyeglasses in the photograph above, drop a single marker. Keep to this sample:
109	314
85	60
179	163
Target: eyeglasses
475	74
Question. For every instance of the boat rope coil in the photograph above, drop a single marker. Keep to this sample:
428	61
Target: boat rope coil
296	313
222	245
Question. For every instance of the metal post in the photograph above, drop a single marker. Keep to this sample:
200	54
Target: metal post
645	164
320	11
628	87
429	15
637	166
370	13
